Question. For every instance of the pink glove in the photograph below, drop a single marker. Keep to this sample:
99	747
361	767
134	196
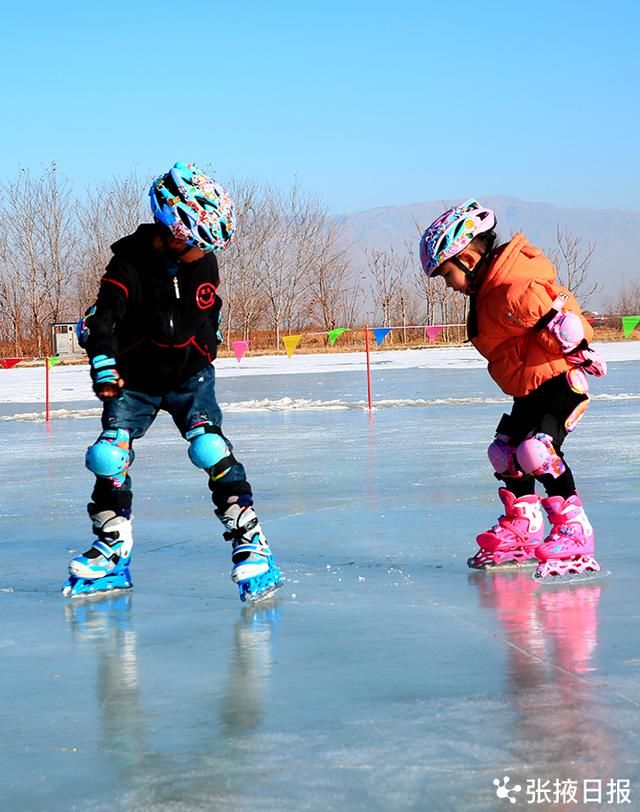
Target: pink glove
590	360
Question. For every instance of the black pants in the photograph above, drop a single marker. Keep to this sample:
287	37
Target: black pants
545	410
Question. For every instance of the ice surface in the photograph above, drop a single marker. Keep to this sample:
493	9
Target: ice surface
387	676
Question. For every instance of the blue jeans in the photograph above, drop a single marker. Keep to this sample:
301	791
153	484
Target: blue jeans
193	401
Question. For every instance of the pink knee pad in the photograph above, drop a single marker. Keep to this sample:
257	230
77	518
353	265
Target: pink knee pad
503	457
536	455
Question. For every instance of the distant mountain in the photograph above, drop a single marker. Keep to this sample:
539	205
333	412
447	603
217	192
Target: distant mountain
614	232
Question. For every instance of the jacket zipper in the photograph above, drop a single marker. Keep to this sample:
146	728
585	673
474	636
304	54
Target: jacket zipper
177	292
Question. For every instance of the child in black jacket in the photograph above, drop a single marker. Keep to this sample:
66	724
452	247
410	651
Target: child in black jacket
151	337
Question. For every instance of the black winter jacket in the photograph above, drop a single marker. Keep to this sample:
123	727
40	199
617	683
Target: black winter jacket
161	328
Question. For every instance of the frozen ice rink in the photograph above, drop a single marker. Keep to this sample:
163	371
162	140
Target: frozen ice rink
386	675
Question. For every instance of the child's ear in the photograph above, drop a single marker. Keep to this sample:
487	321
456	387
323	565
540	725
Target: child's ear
468	258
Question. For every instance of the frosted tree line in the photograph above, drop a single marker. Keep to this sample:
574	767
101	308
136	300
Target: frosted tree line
291	268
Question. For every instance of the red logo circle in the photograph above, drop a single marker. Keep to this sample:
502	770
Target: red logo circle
205	295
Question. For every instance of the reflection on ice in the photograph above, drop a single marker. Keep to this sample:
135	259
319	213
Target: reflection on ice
242	704
552	637
103	625
145	776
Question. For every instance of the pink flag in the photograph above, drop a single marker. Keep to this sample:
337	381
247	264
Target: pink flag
433	331
239	347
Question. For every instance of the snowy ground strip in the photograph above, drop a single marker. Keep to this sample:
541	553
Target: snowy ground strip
287	404
72	383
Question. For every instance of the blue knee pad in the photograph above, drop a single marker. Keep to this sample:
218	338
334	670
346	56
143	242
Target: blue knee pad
209	450
110	455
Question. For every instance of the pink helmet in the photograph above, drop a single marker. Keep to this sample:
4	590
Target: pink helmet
452	232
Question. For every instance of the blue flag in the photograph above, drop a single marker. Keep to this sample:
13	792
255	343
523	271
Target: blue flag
381	333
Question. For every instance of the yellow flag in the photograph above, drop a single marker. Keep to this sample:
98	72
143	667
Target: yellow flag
290	343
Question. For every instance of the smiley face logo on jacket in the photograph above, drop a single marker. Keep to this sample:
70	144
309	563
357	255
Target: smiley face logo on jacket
205	295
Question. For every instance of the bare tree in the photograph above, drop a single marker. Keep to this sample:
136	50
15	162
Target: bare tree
627	302
37	216
110	211
383	272
392	290
405	303
349	305
243	298
329	279
572	262
289	255
12	309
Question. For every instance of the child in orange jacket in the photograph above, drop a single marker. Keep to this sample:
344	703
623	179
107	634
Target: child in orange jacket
531	331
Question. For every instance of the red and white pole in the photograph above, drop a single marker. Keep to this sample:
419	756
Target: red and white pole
46	389
366	344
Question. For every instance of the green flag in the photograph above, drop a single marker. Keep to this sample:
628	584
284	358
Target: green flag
336	333
52	360
629	323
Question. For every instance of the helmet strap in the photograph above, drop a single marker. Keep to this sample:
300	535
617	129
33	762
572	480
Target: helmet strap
469	273
459	264
472	274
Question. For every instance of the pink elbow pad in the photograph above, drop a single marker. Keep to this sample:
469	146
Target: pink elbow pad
568	329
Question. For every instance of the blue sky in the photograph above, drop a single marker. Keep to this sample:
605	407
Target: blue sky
368	104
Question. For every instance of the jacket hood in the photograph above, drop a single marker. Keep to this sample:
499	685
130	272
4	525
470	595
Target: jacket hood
136	244
503	271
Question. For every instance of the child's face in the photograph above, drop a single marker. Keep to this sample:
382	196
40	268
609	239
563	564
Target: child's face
180	249
455	277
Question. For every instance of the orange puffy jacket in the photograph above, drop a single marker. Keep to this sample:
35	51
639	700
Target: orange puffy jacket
516	290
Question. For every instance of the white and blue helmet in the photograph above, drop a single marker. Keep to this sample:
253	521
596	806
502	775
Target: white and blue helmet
195	209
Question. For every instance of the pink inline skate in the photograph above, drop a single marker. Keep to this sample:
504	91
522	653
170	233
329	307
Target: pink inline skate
514	538
568	549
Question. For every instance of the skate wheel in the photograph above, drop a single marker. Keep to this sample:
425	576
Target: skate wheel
570	578
259	597
75	587
254	590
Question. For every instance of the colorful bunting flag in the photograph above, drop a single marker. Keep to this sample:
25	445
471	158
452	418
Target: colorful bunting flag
433	331
7	363
290	344
336	333
239	348
629	324
380	334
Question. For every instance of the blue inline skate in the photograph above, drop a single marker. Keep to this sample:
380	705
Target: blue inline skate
254	570
105	567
